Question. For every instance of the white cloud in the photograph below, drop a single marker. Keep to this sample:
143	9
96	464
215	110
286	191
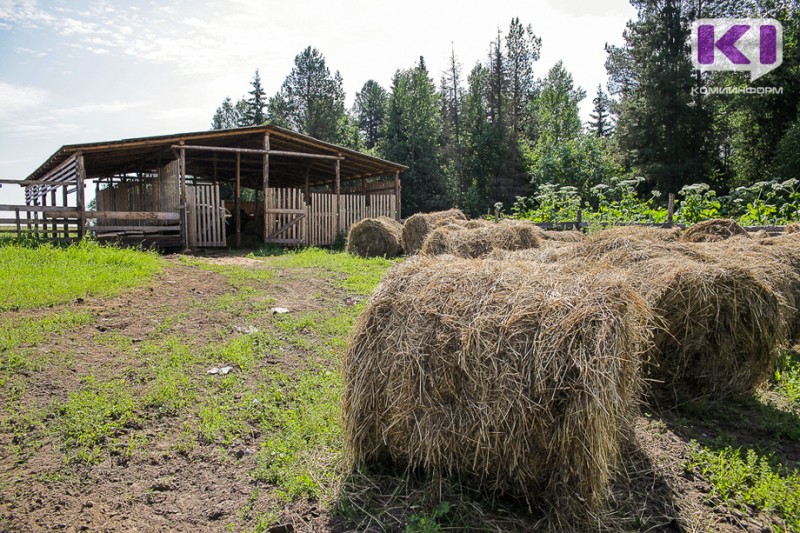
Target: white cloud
109	107
15	98
23	50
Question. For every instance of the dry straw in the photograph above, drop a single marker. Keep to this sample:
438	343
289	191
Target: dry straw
467	242
508	373
417	227
719	322
375	237
713	230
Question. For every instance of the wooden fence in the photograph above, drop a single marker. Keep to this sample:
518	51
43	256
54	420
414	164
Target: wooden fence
294	219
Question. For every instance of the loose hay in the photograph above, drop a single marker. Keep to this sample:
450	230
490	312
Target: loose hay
617	248
466	242
516	376
418	226
562	236
639	232
713	230
375	237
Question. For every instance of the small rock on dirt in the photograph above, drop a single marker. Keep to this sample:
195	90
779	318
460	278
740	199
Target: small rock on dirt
279	310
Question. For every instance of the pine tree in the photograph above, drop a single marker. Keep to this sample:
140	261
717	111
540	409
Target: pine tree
660	132
522	49
225	117
452	99
256	103
311	100
413	137
601	124
370	112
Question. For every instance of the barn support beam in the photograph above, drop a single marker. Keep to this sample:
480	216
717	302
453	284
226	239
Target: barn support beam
397	193
237	201
81	196
338	199
265	173
184	205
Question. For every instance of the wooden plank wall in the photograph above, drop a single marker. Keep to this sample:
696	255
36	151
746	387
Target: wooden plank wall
322	214
206	219
280	204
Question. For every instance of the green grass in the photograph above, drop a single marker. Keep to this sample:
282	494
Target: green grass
169	384
18	336
245	351
360	275
787	380
301	418
743	478
91	417
43	274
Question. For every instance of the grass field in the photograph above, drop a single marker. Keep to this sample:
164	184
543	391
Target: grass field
113	421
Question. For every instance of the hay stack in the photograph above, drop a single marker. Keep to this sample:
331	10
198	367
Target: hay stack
375	237
639	232
460	241
794	227
713	230
718	328
776	263
621	249
562	235
518	377
418	226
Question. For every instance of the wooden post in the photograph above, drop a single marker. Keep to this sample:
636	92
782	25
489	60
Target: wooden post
397	193
184	199
338	200
365	192
580	219
81	196
237	201
670	208
265	173
54	203
19	226
66	204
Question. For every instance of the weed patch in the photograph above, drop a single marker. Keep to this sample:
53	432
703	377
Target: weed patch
43	274
743	478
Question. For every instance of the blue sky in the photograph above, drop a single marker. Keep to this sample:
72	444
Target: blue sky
84	71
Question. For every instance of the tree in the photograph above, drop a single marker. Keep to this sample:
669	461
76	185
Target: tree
229	115
522	49
660	131
601	124
311	100
452	99
256	103
555	111
413	137
370	112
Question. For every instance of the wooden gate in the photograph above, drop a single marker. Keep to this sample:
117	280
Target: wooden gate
286	216
205	216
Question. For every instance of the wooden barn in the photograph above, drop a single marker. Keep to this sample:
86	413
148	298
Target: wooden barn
237	187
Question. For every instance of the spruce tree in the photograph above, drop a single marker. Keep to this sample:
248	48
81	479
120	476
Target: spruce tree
601	124
256	103
370	112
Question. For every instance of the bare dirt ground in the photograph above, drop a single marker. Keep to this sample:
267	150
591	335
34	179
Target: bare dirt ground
165	486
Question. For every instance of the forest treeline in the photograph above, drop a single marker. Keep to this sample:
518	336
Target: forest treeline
505	131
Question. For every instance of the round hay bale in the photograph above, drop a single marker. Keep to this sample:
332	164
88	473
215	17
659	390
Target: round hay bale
639	232
713	230
417	227
719	326
518	377
562	235
461	241
623	250
375	237
776	263
794	227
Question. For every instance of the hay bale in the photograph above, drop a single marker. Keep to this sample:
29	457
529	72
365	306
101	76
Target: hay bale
713	230
417	227
520	378
461	241
621	249
773	261
639	232
718	328
562	235
793	227
375	237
